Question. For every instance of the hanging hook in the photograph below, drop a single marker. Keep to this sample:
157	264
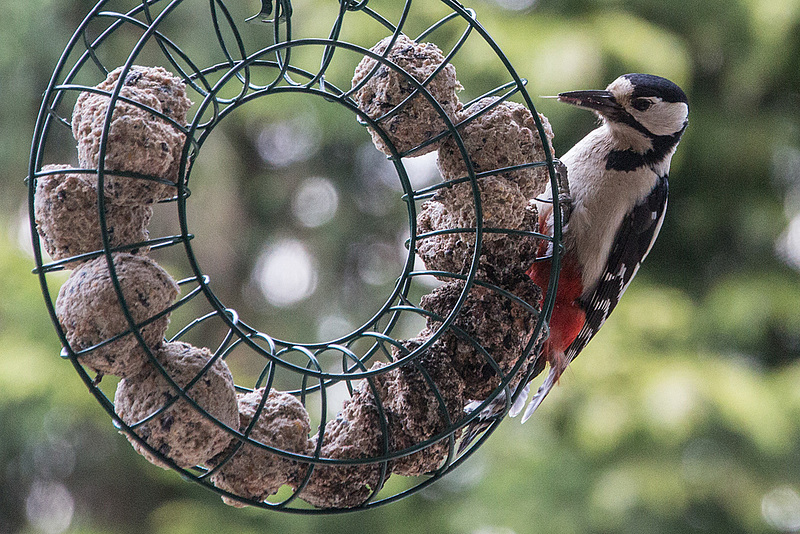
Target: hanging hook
354	5
282	12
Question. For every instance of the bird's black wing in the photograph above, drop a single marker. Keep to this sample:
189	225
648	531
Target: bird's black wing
631	245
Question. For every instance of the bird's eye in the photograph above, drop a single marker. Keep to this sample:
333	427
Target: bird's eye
641	104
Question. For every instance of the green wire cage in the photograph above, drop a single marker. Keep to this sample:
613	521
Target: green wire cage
235	59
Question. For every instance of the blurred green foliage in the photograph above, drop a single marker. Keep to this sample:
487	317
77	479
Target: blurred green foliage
683	415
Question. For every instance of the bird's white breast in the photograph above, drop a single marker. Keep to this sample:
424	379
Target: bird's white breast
601	198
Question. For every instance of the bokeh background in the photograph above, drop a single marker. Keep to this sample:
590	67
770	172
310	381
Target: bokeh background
683	415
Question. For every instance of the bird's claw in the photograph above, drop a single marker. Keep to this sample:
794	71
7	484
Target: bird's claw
565	203
564	197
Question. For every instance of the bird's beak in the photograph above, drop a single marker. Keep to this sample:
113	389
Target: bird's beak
600	101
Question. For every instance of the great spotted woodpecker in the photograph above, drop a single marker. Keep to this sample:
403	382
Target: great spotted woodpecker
617	200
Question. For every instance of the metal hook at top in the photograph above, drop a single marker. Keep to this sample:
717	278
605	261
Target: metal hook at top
282	13
354	5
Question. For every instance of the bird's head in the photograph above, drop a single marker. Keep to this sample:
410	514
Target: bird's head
651	105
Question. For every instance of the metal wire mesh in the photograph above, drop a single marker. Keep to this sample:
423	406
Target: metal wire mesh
226	70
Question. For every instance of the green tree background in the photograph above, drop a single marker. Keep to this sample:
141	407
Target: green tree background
683	415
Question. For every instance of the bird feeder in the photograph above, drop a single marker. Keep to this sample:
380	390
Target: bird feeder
124	119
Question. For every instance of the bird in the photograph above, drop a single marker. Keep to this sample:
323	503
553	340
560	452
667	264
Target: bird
618	186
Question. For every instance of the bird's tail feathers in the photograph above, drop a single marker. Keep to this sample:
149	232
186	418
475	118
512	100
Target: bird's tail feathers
484	420
519	404
541	393
495	409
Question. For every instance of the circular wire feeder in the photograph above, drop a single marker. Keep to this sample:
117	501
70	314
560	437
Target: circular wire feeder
254	417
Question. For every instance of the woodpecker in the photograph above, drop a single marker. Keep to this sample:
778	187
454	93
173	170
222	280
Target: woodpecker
617	200
616	204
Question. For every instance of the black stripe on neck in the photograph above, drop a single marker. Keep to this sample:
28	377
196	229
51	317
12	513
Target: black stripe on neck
630	160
